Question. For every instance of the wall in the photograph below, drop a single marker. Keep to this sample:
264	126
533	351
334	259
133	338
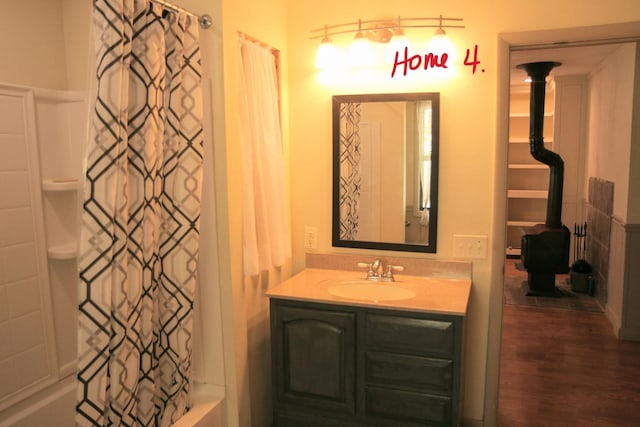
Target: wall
78	52
473	135
245	309
610	120
614	144
32	44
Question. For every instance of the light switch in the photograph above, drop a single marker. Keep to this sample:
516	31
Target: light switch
471	247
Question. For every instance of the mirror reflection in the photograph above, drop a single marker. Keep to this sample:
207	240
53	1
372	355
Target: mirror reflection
385	171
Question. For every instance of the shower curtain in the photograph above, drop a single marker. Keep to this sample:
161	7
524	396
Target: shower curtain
266	230
349	170
140	222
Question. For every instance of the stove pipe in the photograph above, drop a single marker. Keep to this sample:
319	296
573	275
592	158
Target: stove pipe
538	71
545	247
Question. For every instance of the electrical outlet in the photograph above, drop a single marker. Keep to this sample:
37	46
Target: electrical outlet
472	247
311	238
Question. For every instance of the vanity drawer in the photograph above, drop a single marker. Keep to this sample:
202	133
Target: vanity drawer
425	373
408	334
420	408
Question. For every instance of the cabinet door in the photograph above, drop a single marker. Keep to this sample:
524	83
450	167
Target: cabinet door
314	357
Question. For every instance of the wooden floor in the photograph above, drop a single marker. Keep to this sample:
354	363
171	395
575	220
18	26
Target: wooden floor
566	368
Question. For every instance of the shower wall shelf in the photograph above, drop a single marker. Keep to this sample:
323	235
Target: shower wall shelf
61	127
54	185
63	252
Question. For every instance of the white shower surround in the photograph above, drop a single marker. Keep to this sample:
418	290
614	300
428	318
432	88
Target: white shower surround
60	119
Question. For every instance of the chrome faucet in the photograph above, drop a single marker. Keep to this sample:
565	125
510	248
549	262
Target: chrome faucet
374	270
377	273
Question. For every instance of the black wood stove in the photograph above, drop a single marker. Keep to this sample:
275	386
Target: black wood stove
545	247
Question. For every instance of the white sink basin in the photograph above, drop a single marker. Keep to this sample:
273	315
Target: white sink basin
370	291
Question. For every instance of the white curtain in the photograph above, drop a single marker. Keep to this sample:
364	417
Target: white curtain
141	215
266	229
423	124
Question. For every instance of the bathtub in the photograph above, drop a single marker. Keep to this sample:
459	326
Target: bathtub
54	407
207	408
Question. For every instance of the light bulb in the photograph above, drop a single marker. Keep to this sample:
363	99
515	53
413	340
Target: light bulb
360	52
397	44
327	55
440	44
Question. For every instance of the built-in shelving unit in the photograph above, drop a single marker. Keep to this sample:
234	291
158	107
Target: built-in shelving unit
527	179
42	135
61	119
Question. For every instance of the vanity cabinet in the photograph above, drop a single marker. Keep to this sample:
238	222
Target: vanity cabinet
343	365
314	357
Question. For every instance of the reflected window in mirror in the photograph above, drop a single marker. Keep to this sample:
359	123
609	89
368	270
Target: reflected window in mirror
385	171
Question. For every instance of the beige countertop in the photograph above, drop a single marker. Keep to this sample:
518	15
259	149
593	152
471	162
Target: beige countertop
432	294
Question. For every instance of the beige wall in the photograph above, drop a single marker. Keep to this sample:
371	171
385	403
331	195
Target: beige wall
473	148
610	121
32	44
250	351
76	26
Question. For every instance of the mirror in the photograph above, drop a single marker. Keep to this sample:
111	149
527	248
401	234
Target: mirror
385	171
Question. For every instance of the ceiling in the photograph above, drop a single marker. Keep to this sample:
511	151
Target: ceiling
575	60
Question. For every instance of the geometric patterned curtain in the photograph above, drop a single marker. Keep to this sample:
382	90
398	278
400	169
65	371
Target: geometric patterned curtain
349	170
141	213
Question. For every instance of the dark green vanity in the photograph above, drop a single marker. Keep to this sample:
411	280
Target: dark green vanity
365	363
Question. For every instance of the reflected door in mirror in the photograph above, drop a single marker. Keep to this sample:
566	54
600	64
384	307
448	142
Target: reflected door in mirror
385	171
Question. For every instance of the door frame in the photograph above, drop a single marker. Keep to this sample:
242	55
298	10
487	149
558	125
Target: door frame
506	43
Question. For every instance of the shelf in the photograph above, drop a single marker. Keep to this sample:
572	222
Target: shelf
527	115
527	194
65	184
528	166
526	140
523	224
513	251
63	252
527	189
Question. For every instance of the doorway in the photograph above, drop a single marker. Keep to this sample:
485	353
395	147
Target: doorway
543	43
565	132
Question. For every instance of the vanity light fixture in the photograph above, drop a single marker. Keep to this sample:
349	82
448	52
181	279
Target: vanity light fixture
383	31
360	53
397	42
327	52
440	43
440	31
